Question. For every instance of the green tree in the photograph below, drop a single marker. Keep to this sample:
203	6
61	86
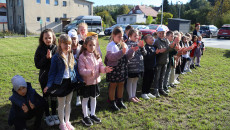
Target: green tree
124	9
149	20
165	6
166	16
106	17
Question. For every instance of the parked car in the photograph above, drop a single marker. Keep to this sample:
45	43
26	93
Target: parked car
94	23
138	27
208	30
150	29
108	31
224	31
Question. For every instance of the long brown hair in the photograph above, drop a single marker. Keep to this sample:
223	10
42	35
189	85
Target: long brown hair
117	30
65	39
84	47
41	42
132	31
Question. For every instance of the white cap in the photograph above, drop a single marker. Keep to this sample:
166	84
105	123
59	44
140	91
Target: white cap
161	29
18	81
72	33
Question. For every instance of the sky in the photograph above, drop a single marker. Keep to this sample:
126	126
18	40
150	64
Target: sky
134	2
2	1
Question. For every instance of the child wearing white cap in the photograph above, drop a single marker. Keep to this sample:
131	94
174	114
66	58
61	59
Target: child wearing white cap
26	103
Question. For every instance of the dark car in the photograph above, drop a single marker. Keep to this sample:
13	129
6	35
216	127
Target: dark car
108	31
208	30
224	31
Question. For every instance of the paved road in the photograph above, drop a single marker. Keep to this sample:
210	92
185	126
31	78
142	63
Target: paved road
217	43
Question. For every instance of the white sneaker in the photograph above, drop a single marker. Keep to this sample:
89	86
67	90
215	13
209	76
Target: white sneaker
176	82
78	101
145	96
49	121
56	119
150	95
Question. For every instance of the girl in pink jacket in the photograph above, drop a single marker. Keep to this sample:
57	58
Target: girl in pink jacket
90	67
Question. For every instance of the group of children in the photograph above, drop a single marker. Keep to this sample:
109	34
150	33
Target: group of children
77	58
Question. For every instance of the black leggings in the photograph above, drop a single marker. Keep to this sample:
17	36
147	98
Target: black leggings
53	101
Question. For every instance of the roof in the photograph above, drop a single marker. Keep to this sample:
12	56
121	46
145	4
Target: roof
157	8
178	19
2	5
89	1
129	15
148	11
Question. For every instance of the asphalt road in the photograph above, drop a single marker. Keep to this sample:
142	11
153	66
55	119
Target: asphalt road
217	43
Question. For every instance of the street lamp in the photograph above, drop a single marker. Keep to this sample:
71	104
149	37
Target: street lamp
179	7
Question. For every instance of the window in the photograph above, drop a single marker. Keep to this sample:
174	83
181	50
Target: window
19	2
64	15
19	19
124	19
47	19
38	19
56	20
2	13
131	19
55	2
38	1
95	23
47	2
64	3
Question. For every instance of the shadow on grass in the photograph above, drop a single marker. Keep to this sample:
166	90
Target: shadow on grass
227	53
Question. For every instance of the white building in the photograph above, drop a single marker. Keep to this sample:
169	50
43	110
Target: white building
3	17
131	18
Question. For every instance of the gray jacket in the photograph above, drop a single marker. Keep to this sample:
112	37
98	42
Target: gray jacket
162	58
136	64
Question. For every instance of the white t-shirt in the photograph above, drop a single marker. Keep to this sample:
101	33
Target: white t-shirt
112	47
66	72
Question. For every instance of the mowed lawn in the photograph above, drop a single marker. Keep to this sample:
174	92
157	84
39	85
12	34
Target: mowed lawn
201	101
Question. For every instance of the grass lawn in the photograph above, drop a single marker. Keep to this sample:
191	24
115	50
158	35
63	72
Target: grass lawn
201	101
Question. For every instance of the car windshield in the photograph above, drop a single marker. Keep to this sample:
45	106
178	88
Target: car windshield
203	28
154	27
74	22
225	28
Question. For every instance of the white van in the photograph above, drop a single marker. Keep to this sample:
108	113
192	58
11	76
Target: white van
94	23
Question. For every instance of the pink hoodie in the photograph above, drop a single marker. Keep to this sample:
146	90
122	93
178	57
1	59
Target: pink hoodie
87	63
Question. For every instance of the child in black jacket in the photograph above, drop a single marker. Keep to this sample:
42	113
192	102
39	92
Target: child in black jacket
26	103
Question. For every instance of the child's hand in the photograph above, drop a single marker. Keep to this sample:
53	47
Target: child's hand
25	108
92	72
141	44
45	89
108	69
31	105
204	49
48	54
135	48
162	50
157	51
124	50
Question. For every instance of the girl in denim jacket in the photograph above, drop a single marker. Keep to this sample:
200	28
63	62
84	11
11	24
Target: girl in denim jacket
63	72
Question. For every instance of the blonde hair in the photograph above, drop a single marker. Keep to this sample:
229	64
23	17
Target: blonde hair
84	47
82	25
65	39
117	30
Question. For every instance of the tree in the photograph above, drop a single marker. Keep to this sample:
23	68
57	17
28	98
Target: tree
149	20
165	6
106	17
212	2
166	16
124	9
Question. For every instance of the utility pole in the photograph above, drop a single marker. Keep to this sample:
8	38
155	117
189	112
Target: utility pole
162	11
179	7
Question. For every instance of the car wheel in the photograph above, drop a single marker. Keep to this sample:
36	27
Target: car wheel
218	37
97	31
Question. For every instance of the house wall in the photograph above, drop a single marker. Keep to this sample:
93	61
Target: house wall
131	19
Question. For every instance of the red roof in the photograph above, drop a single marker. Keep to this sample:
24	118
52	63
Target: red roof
148	11
2	5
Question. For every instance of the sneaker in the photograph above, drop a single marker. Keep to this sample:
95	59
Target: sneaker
78	101
87	121
69	126
55	119
167	90
145	96
162	92
95	119
49	121
63	127
198	65
156	94
150	95
176	82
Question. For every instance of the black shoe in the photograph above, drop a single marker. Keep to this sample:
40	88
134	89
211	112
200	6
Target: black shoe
87	121
192	67
95	119
113	106
156	94
120	103
162	92
173	85
166	90
198	65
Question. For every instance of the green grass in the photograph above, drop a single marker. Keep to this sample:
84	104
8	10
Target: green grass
201	101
